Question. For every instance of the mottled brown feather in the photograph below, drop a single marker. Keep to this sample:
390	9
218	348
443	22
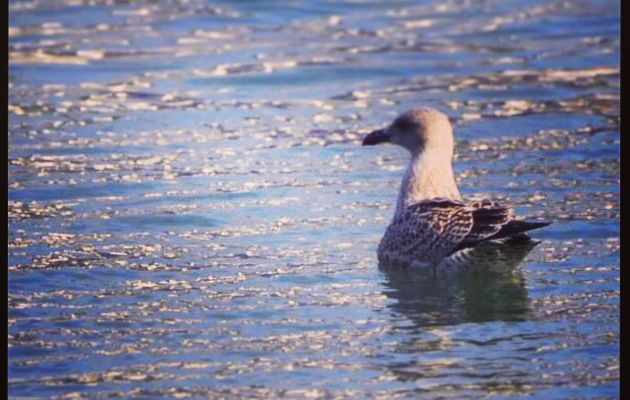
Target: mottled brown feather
432	229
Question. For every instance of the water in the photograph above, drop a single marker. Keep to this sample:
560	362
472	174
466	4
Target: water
191	213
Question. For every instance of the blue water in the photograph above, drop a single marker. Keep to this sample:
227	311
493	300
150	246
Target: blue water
191	213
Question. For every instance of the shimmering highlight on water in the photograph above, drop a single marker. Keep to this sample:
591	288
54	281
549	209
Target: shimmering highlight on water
191	213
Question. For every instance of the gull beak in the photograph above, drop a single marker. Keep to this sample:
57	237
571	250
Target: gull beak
377	137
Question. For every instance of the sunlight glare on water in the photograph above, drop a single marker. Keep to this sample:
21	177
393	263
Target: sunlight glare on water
191	213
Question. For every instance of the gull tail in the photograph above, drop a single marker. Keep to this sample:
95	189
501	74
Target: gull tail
515	227
513	232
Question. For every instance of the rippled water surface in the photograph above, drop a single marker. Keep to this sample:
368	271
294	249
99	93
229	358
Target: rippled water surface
191	213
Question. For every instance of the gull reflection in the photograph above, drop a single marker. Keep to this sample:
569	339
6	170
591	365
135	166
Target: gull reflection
479	284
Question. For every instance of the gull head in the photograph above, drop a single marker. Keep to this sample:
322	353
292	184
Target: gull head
417	130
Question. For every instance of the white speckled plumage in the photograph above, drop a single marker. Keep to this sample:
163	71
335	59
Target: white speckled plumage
431	222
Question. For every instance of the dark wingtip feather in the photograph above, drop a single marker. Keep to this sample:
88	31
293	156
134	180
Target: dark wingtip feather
536	224
513	232
515	227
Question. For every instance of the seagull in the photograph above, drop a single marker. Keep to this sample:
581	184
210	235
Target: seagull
432	225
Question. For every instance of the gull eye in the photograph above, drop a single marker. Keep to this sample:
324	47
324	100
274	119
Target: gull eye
405	125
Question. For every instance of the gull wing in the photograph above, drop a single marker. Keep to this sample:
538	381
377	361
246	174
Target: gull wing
437	226
492	220
432	229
